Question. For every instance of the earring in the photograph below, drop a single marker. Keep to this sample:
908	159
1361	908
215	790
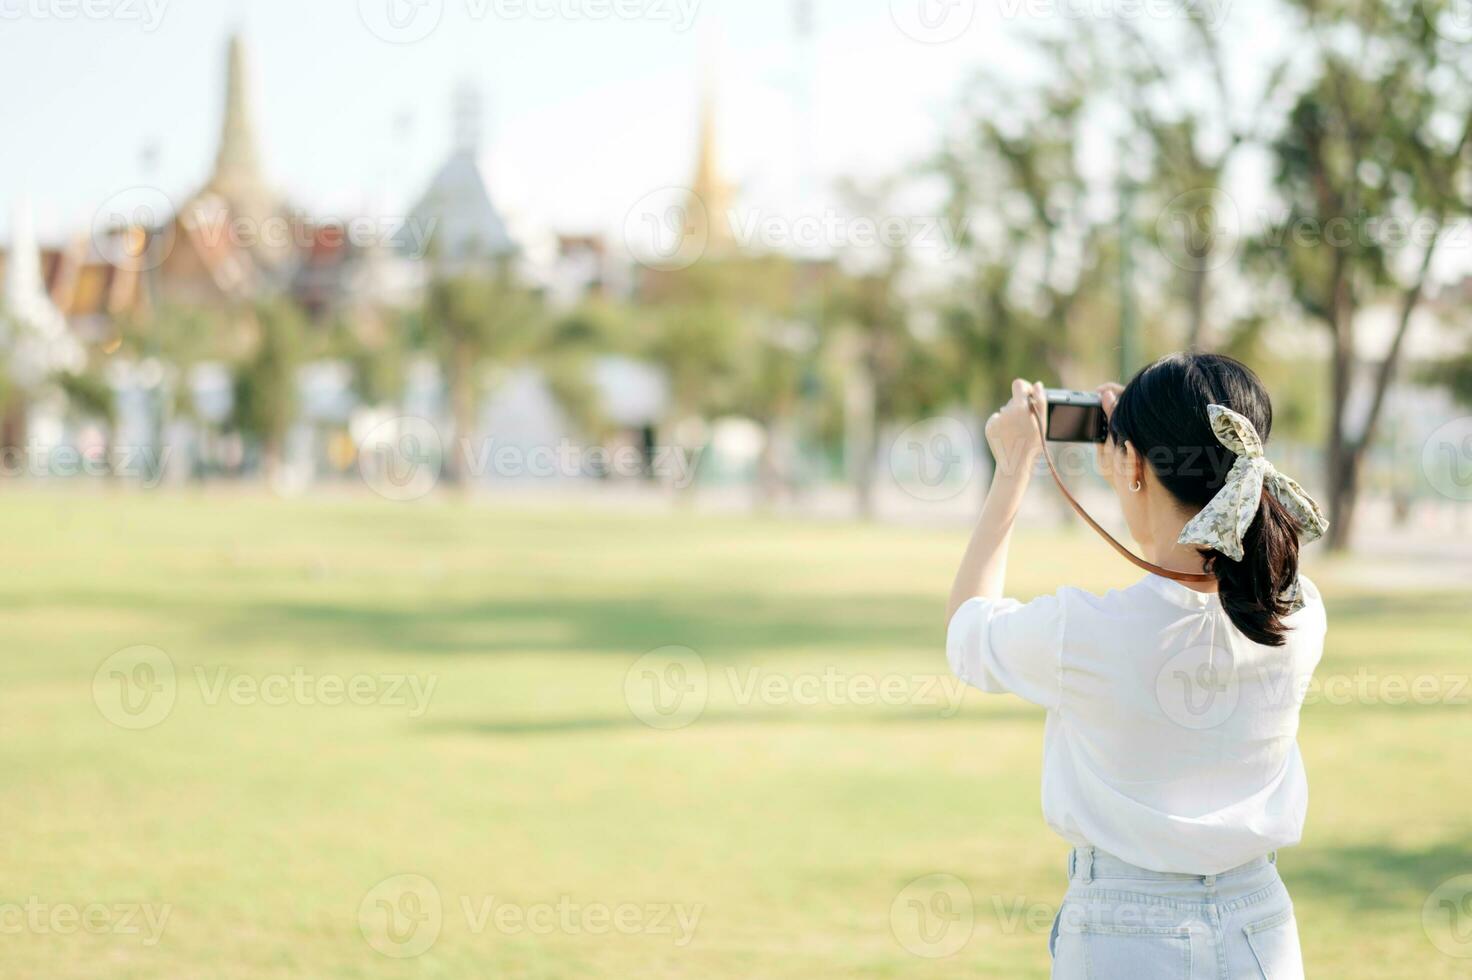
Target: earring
1136	487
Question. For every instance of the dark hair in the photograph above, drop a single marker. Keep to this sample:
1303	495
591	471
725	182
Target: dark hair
1162	413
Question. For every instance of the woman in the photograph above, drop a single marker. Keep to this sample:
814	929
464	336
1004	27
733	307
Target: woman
1170	755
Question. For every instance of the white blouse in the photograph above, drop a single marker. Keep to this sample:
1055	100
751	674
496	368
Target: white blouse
1171	738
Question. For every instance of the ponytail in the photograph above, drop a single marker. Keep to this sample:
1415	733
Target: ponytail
1253	590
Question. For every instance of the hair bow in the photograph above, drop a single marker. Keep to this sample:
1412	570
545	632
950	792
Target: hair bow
1227	516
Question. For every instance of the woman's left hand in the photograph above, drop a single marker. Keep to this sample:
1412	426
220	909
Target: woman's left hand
1012	432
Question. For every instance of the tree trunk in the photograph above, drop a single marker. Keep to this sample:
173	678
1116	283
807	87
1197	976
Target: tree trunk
1343	498
271	459
668	436
1196	300
13	424
1340	468
860	425
1347	455
774	462
462	413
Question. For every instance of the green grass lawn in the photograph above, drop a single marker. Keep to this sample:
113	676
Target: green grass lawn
562	835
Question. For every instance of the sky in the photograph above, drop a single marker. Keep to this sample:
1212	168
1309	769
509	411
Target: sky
588	105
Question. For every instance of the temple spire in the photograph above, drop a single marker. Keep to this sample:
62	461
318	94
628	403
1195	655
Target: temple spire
469	113
32	328
710	189
237	175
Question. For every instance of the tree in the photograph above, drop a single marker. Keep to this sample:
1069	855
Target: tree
716	330
1371	166
90	397
471	319
375	351
874	342
1194	133
266	381
1032	244
696	344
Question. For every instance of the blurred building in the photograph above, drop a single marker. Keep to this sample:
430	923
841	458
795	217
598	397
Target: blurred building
462	225
233	240
455	220
33	328
236	240
237	183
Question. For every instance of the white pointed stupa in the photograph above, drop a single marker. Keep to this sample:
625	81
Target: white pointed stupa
33	331
477	208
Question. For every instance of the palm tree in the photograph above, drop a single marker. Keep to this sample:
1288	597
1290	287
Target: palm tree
469	321
266	382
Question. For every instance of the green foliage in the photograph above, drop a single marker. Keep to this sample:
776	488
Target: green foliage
1455	374
376	355
182	336
472	318
698	346
88	395
594	326
1033	244
266	381
470	321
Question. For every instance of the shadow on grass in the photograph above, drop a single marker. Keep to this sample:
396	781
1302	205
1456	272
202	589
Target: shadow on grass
1389	609
1373	877
811	718
724	626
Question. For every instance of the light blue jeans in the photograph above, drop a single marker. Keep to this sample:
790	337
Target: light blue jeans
1120	922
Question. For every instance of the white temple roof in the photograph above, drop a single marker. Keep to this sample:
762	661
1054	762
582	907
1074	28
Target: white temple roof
33	330
466	224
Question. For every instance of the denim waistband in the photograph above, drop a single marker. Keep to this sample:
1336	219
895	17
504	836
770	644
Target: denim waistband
1087	863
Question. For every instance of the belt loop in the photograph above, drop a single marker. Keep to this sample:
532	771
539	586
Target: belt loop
1088	874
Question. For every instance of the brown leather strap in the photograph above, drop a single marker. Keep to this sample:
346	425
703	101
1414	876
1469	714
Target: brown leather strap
1038	417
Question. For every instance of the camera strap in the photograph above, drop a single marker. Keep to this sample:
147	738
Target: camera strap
1127	554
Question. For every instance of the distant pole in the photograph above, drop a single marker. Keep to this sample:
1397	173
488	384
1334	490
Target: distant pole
1128	327
809	286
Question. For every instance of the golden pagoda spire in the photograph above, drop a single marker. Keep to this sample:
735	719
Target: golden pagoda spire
237	175
710	212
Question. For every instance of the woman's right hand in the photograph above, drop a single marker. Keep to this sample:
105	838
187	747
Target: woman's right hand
1109	393
1012	432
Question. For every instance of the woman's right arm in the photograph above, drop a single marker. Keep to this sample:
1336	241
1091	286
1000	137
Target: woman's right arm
993	643
1015	443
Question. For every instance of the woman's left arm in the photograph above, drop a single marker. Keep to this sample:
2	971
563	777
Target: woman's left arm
1015	443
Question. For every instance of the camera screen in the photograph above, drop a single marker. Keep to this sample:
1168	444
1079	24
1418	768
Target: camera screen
1075	423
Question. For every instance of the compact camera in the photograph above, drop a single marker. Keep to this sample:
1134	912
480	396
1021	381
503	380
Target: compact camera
1075	416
